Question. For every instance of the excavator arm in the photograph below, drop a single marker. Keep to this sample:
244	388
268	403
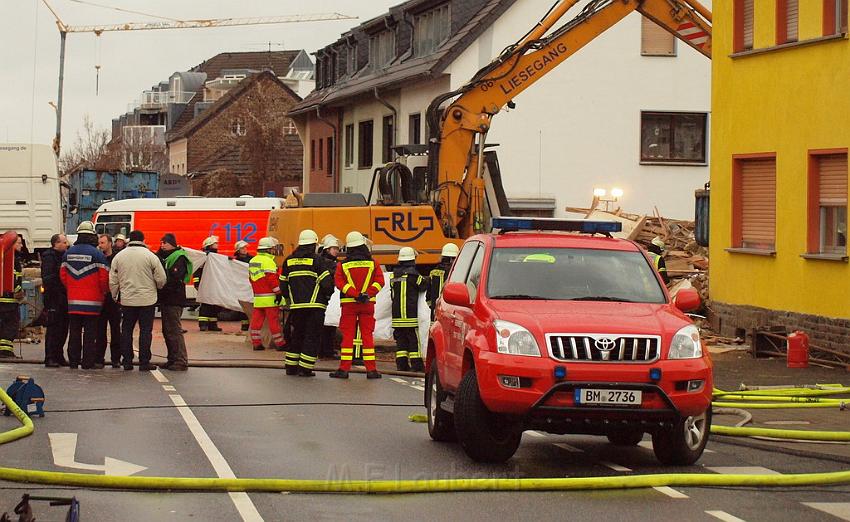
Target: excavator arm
456	145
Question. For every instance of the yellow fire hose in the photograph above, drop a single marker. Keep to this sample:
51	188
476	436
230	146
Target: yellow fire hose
416	486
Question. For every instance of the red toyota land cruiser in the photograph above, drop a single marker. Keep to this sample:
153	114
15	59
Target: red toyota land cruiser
564	333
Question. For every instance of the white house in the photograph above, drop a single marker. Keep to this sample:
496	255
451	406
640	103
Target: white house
629	111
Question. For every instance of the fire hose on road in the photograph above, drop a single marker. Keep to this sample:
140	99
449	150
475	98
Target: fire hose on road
441	485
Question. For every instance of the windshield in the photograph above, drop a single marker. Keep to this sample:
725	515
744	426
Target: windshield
572	274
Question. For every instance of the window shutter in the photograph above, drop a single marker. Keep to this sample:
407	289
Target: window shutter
748	24
758	203
791	20
655	41
832	170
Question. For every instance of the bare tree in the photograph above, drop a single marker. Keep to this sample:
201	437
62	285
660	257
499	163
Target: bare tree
89	147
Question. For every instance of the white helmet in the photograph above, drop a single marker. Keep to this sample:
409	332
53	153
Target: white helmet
307	237
240	244
657	241
120	237
406	254
330	241
210	241
354	239
449	250
266	243
86	227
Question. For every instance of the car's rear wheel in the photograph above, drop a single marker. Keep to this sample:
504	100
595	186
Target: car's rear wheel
625	437
485	436
683	444
441	424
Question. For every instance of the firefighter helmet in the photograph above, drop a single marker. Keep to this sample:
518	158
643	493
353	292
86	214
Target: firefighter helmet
354	239
210	241
239	245
266	243
307	237
406	254
329	241
449	250
86	227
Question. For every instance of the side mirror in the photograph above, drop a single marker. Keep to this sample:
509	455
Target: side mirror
456	294
687	300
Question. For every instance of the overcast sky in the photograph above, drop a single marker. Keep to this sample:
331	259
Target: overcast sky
132	61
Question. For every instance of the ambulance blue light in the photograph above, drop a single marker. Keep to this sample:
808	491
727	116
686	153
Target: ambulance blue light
508	224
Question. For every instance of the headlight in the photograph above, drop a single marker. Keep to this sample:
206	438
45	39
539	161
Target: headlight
686	344
513	339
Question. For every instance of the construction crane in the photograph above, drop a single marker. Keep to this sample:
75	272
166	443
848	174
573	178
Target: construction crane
166	23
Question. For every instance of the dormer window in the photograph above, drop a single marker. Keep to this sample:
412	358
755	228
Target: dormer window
381	49
237	126
431	30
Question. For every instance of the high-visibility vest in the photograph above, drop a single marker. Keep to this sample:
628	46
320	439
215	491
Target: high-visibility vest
262	271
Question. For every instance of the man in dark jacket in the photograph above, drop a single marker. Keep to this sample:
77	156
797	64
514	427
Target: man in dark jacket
110	315
405	284
172	299
55	302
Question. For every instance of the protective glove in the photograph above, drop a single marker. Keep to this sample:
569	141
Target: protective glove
362	298
277	299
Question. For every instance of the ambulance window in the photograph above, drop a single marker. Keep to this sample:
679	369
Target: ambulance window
113	224
461	267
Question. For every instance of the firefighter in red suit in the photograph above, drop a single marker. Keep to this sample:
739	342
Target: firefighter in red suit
359	279
262	271
11	292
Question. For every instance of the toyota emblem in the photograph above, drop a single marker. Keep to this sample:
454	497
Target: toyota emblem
605	344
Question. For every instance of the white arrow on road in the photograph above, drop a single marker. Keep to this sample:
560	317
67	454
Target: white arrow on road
64	446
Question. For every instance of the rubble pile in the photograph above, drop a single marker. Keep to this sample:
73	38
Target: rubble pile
687	262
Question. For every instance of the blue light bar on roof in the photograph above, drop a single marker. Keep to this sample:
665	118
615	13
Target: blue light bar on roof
584	226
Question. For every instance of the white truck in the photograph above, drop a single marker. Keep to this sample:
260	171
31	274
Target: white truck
30	198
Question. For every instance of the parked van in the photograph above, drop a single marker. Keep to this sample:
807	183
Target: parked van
191	219
30	201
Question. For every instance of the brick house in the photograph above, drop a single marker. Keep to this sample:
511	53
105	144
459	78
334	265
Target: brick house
242	142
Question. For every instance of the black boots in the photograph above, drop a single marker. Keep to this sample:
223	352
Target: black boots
338	374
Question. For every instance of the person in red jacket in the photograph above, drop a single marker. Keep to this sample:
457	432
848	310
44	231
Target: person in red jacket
86	277
359	279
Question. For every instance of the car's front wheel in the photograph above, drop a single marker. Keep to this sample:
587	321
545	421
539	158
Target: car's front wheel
683	444
441	425
485	436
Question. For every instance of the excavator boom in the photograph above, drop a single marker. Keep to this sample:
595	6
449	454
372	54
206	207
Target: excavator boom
459	135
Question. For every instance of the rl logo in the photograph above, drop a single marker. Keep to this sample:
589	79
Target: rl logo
403	227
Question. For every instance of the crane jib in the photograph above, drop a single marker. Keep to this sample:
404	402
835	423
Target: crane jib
508	85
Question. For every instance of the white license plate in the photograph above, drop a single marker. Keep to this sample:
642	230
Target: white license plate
607	397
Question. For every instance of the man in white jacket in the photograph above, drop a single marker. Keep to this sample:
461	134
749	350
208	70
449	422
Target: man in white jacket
134	278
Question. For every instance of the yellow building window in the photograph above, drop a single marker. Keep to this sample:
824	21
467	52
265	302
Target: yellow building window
834	17
743	25
827	202
754	202
787	21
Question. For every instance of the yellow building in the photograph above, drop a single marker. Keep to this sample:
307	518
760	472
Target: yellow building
780	134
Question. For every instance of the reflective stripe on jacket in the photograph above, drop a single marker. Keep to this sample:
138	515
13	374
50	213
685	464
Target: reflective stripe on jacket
358	276
262	271
85	275
406	283
304	278
437	279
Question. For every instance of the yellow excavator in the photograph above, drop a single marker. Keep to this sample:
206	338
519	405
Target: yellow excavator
451	190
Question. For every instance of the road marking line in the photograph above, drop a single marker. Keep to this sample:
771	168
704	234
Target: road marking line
615	467
670	492
159	376
743	470
396	379
420	388
837	509
168	387
535	433
726	517
242	501
571	449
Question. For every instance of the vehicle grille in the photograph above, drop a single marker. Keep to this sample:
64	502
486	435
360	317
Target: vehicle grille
604	348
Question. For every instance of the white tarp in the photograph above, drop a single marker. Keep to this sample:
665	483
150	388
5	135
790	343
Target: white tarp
225	283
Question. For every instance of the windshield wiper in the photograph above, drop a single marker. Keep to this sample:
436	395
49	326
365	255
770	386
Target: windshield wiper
519	296
601	298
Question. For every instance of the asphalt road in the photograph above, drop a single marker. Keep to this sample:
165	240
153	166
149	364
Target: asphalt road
321	441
